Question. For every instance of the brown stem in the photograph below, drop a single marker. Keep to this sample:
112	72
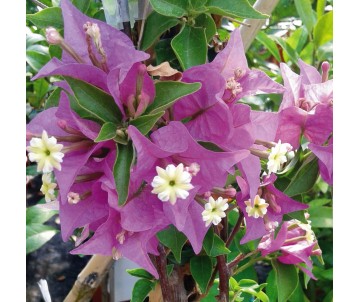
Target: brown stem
235	229
240	257
161	262
223	275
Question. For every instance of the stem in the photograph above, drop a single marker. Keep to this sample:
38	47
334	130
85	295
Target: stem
223	275
245	266
161	262
240	257
236	21
248	33
146	7
235	229
38	3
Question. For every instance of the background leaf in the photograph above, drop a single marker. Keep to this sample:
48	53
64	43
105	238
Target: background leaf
190	46
323	31
37	235
287	279
47	17
173	239
201	269
171	8
140	290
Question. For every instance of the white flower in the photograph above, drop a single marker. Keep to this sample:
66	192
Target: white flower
48	187
214	210
279	155
44	290
172	183
73	197
46	152
259	209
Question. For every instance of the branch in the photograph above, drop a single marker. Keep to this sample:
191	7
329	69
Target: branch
235	229
223	275
248	33
89	279
38	3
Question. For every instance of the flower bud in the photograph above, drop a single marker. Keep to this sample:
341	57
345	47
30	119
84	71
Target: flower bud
53	36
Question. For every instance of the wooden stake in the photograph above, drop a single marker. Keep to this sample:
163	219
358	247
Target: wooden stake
89	279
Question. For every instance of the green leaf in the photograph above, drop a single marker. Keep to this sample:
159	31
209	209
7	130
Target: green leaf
321	217
304	179
320	7
213	244
141	289
287	279
32	38
47	17
207	22
155	25
201	269
53	99
306	13
234	8
37	235
293	55
323	31
99	105
140	273
169	92
145	123
171	8
107	132
319	202
190	46
264	39
307	53
82	5
298	39
32	170
124	158
169	269
55	51
299	295
36	214
36	60
41	87
271	289
298	215
173	239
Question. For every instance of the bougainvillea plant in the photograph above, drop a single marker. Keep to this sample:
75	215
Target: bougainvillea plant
173	169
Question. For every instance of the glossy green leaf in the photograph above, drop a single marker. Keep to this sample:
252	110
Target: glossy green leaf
306	13
323	31
304	179
145	123
124	159
141	289
319	202
164	52
140	273
100	105
55	51
53	99
201	269
47	17
197	6
234	8
270	45
287	279
37	235
320	7
307	53
271	288
36	60
190	46
36	214
298	295
321	217
169	92
213	244
207	22
293	55
156	25
173	239
82	5
298	39
107	132
171	8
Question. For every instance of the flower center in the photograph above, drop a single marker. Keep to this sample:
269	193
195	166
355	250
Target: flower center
172	183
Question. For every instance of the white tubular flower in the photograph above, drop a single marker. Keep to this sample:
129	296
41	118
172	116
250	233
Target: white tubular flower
46	152
214	210
44	290
48	187
278	155
259	209
172	183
